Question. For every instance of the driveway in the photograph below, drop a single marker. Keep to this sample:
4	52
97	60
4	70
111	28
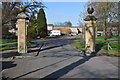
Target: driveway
59	59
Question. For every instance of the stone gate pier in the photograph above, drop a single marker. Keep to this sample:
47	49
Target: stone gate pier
90	31
22	30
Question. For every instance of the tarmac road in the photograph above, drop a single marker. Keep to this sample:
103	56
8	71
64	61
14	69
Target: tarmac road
59	59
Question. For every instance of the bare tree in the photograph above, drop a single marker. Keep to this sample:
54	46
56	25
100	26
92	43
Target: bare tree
64	24
82	16
106	12
11	9
68	24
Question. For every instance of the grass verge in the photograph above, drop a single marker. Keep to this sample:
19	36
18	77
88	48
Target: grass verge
12	44
77	44
101	44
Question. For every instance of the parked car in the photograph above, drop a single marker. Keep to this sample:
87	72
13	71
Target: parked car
69	34
72	34
38	37
99	33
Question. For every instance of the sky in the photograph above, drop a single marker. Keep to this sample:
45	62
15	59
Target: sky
64	11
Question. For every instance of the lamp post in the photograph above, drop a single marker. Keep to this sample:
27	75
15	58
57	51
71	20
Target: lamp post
90	32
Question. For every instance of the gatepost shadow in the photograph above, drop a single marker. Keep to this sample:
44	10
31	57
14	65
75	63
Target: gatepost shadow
65	70
9	54
60	72
8	64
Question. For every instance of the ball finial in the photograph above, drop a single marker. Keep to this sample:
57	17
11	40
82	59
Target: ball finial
22	8
90	10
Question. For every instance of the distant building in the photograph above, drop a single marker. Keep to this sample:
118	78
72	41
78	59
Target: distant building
64	29
13	31
112	31
76	29
50	26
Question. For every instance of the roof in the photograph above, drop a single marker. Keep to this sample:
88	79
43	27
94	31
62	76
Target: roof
50	24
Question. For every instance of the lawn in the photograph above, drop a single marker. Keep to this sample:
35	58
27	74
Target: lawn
108	38
12	44
101	44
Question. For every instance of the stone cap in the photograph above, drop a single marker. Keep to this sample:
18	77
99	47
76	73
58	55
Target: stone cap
90	23
90	18
22	15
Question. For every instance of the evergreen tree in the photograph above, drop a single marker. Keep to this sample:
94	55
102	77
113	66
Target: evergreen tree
32	32
41	24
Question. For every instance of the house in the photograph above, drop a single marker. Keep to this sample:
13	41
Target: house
64	29
112	31
76	29
13	31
